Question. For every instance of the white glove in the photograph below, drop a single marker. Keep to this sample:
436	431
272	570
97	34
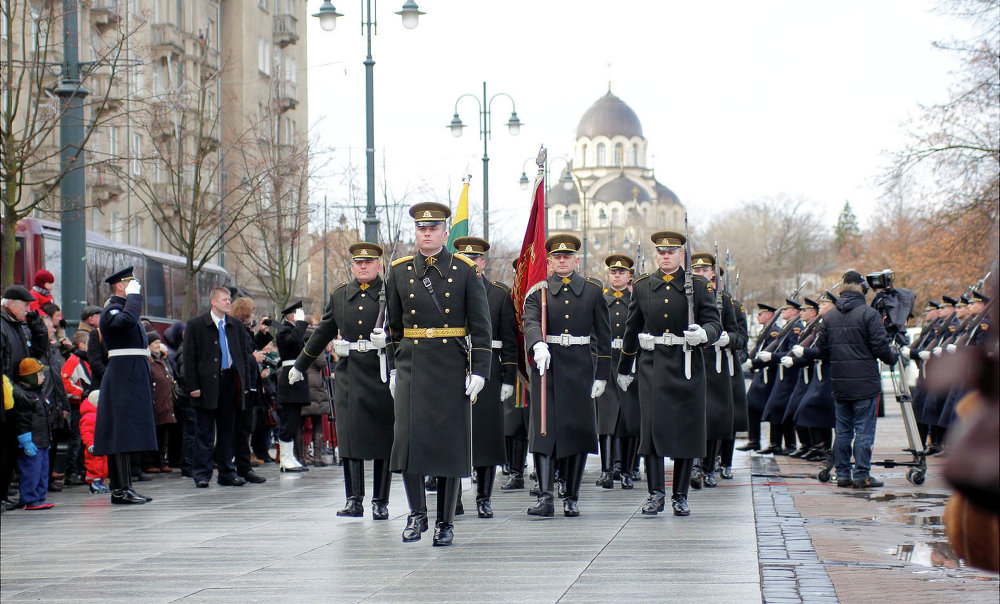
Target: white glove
133	287
951	348
646	341
542	356
798	351
786	362
905	352
747	365
392	383
299	314
723	340
937	351
341	348
764	356
695	335
598	388
623	380
294	375
924	355
474	385
506	391
377	337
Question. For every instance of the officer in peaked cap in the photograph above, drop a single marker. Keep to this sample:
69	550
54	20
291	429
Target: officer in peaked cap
668	353
291	395
576	315
125	419
784	382
434	299
617	410
762	377
361	400
488	443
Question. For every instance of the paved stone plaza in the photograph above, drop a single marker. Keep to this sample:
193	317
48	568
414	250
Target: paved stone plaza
281	542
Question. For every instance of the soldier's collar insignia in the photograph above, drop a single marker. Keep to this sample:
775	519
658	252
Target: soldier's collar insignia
617	294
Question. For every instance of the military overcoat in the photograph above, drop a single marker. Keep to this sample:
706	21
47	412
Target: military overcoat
576	307
361	400
488	411
719	384
432	432
764	376
290	339
672	406
738	345
125	419
784	379
617	411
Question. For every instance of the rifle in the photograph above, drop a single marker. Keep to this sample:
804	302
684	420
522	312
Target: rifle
719	301
967	323
976	323
383	363
767	329
689	294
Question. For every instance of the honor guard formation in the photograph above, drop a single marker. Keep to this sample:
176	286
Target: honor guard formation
440	376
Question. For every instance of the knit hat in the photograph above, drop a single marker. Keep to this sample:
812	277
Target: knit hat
29	366
152	336
43	277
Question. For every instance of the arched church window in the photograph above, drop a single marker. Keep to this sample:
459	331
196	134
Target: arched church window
634	153
616	219
619	154
583	154
600	154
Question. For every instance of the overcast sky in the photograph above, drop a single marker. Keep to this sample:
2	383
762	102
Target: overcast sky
737	99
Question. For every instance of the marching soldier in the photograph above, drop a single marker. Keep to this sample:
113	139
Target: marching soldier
487	410
670	369
434	299
816	408
125	421
763	378
618	412
934	401
784	382
719	362
516	415
291	396
361	399
576	313
931	321
738	346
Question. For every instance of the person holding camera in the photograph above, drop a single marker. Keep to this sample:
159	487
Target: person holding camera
243	311
292	394
853	339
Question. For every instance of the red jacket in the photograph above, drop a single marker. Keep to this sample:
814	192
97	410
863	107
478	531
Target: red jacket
76	376
88	420
41	299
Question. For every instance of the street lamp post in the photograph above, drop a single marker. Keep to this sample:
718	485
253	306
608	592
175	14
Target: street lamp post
485	131
327	16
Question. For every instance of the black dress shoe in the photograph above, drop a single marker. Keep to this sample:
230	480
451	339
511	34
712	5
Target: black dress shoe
380	509
515	482
353	509
235	481
709	480
771	450
484	509
431	484
55	486
616	471
137	494
726	472
201	484
653	504
535	492
444	533
817	455
543	507
696	477
605	481
254	477
626	481
570	508
750	446
126	497
802	451
680	505
636	476
416	523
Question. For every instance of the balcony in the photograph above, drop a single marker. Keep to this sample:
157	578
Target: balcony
167	39
106	13
288	95
106	183
285	30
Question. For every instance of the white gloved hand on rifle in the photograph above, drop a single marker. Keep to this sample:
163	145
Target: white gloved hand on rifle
747	365
798	351
786	362
598	388
506	391
624	380
764	356
695	335
542	356
723	340
924	355
646	341
377	337
937	351
905	352
951	348
294	375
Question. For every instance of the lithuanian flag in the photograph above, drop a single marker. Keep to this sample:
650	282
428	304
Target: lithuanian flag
460	221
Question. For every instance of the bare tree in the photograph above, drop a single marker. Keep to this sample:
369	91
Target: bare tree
30	112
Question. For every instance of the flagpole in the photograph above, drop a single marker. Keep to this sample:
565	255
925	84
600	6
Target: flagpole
543	428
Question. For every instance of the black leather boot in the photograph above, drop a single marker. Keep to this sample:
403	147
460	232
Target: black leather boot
616	458
416	522
431	484
560	477
604	444
354	485
484	490
805	443
447	499
516	480
696	475
708	464
459	506
682	476
381	480
774	448
629	445
543	470
656	485
726	454
574	477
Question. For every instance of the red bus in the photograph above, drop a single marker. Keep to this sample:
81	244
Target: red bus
38	244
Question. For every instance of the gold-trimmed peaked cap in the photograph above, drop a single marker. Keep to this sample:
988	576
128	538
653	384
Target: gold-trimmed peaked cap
429	213
471	246
564	243
619	262
667	240
123	275
702	259
364	250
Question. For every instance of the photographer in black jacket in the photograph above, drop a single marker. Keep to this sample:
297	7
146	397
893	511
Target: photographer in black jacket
853	339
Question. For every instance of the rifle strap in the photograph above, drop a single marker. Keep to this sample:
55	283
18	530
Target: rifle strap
437	304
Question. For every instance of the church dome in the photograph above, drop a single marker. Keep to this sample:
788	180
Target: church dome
622	189
609	116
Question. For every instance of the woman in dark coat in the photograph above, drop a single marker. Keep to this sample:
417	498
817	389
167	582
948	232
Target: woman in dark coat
163	405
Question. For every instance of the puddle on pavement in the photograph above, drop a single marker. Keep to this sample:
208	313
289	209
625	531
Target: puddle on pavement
936	554
879	495
927	516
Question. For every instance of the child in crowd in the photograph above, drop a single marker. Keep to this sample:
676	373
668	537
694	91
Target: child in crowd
97	465
76	381
34	429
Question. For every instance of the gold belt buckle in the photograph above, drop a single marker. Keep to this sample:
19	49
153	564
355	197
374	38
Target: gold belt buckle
429	332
